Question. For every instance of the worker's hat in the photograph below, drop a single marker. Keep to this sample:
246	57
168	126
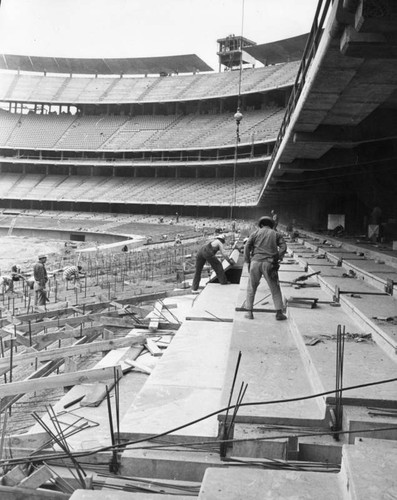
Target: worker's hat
42	256
266	221
221	237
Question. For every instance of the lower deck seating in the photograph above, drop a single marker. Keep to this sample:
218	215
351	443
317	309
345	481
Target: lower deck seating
149	190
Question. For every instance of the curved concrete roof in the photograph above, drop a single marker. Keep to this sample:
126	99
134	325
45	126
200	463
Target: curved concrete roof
289	49
188	63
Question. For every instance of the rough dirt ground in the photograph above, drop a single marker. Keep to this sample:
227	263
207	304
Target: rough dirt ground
23	251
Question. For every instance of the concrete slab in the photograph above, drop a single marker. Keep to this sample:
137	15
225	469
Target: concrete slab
215	301
371	472
313	261
176	464
272	367
185	385
327	270
162	408
345	256
122	495
366	309
260	442
363	441
196	357
320	358
252	484
364	422
373	266
352	285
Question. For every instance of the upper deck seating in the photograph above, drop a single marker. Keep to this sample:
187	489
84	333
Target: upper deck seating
112	133
74	90
90	132
39	131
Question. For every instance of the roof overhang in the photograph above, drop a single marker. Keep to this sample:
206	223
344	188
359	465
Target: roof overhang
189	63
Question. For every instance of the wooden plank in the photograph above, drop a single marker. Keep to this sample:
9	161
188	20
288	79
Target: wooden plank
16	493
153	348
54	323
37	478
138	366
63	352
96	393
118	322
14	476
155	316
43	340
203	318
26	441
62	380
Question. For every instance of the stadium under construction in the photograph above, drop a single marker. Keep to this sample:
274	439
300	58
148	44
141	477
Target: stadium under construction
126	385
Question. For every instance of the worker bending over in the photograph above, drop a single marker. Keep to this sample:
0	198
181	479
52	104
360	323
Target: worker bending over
73	274
6	284
263	251
207	254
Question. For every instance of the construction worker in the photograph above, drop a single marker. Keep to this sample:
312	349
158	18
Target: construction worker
263	251
207	254
275	219
72	273
40	281
7	284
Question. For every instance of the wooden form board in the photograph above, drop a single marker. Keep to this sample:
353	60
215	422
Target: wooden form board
62	380
17	493
90	348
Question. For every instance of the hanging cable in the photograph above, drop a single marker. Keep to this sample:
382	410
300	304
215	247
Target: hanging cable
238	115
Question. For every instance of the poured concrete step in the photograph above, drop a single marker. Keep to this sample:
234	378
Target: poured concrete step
365	303
260	441
318	327
370	422
216	302
175	463
370	471
272	367
186	385
237	483
366	310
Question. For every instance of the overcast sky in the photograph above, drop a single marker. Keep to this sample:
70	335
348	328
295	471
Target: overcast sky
144	28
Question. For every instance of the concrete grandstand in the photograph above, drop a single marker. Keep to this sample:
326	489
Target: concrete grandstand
229	408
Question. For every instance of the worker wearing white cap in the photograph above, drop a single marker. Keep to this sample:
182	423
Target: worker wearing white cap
207	254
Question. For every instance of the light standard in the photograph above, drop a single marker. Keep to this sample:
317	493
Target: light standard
238	117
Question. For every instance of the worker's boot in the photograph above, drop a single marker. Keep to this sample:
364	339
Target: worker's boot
249	315
280	316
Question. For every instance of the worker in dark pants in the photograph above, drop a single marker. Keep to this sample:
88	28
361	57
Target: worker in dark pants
40	278
207	254
263	251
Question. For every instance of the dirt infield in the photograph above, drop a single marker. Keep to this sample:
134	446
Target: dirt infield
23	251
